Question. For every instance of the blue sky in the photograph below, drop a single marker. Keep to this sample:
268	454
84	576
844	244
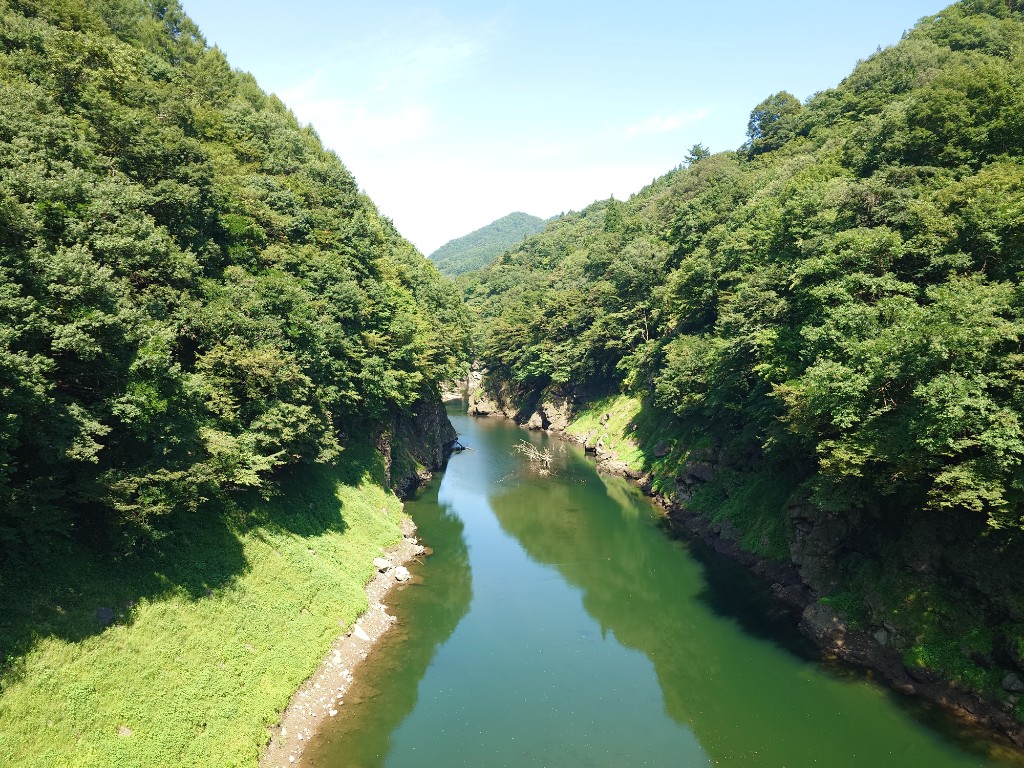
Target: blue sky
452	114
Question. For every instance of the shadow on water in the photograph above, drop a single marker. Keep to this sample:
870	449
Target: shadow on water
79	590
389	678
734	593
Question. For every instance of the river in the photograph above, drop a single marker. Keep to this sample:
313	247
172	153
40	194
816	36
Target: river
557	624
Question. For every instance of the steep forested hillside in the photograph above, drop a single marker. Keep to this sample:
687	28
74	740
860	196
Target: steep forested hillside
194	293
480	247
832	317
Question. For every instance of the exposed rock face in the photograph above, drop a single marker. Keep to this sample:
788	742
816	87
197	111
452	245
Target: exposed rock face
1013	683
416	445
812	548
464	388
555	413
482	404
550	411
498	400
834	636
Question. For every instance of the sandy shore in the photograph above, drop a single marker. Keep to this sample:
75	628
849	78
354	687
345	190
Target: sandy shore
322	695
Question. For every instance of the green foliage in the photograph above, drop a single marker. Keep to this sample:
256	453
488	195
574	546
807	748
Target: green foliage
940	626
213	629
772	123
480	247
833	312
850	606
754	504
697	153
195	294
842	296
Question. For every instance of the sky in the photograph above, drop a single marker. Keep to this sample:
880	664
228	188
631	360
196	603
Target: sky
454	113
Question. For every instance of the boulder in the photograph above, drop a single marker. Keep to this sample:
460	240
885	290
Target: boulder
381	563
482	405
700	470
402	574
556	414
1013	683
661	450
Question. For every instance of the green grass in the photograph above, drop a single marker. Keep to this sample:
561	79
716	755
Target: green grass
615	433
754	503
216	626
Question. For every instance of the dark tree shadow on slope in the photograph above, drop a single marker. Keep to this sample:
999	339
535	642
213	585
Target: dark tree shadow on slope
81	587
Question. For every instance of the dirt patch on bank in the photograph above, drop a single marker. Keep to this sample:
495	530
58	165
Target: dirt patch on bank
321	697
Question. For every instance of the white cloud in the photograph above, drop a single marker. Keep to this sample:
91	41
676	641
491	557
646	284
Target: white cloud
666	123
420	51
343	124
373	103
436	202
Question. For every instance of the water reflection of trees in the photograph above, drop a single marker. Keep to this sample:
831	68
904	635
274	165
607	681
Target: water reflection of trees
361	735
746	697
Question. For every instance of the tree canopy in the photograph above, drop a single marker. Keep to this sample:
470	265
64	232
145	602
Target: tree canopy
841	295
481	246
194	292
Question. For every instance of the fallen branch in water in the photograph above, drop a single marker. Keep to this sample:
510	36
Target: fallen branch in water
535	455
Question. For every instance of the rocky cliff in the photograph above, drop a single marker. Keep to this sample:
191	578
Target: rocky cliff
417	444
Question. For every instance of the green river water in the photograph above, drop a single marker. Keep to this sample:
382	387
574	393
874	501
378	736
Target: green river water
559	625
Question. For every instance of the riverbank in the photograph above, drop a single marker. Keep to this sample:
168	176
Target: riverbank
323	694
737	514
186	653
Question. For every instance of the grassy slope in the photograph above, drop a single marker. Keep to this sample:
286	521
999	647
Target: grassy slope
214	631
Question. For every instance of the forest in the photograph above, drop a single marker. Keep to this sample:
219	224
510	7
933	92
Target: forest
194	292
834	312
480	247
208	334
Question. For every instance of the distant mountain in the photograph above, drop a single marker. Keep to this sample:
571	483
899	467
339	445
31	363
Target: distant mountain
480	248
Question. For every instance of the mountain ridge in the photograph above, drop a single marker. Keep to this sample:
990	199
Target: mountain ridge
481	246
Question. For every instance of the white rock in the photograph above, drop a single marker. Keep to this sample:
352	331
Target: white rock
359	632
381	563
402	573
